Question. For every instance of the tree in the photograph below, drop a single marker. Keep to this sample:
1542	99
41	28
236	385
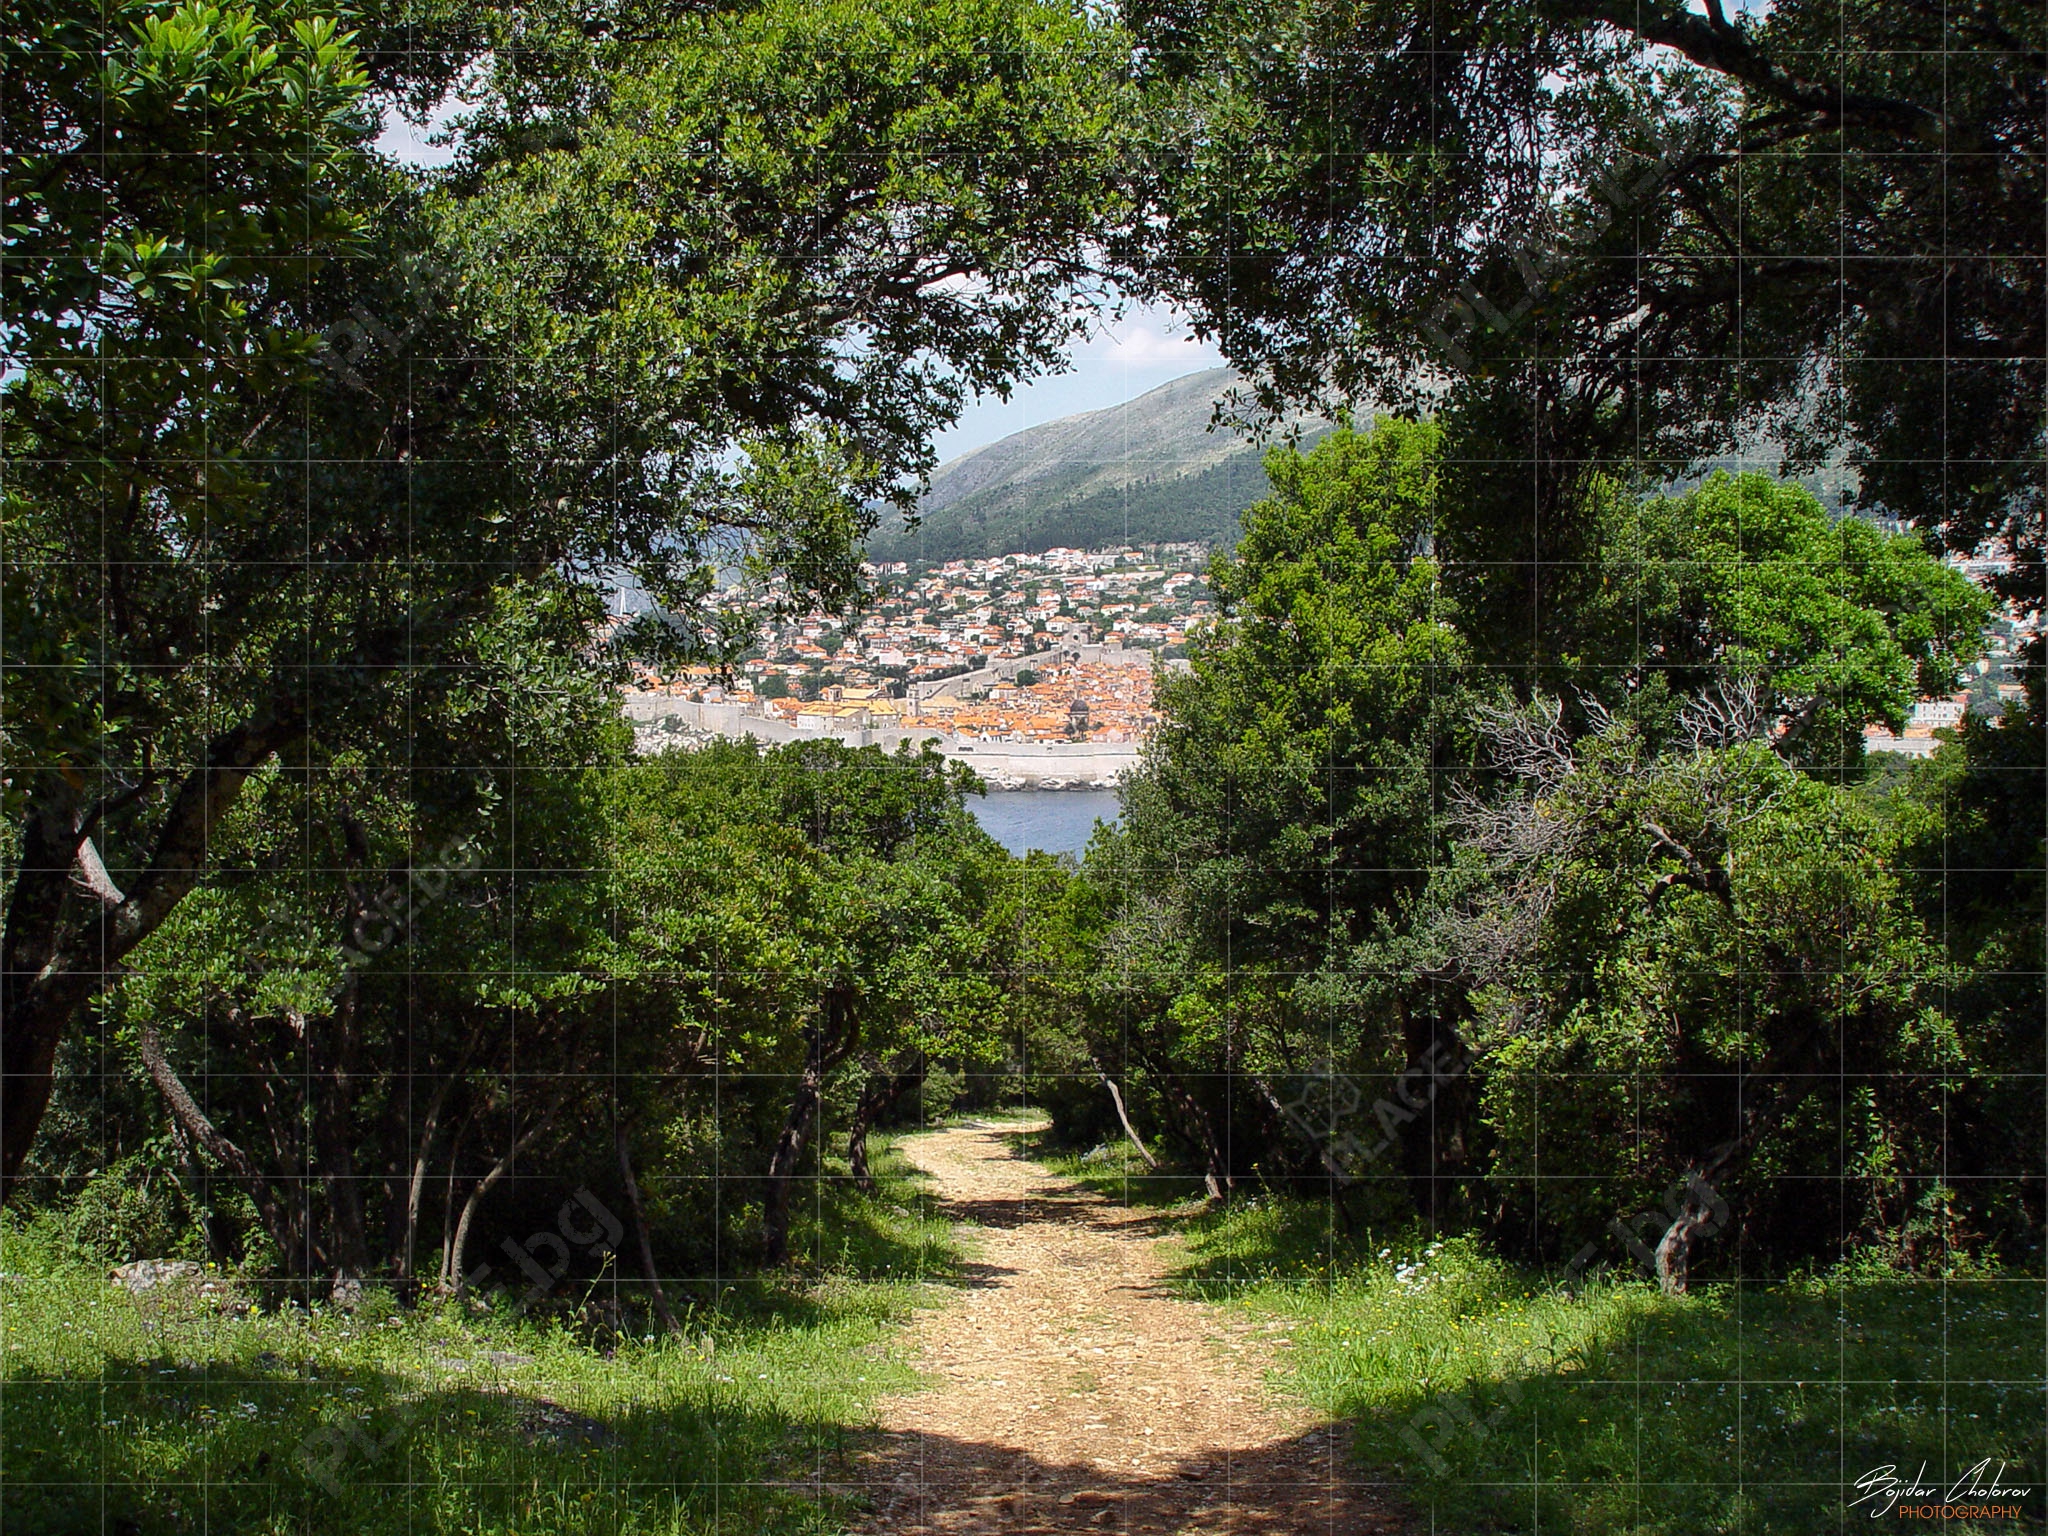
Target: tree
156	245
1284	810
1598	234
891	929
803	907
693	296
381	982
1829	624
1155	1011
1717	953
1299	742
1975	858
1266	913
456	1020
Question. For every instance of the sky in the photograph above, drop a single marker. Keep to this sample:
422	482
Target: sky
1148	347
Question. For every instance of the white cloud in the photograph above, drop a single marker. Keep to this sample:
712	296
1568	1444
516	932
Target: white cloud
1147	340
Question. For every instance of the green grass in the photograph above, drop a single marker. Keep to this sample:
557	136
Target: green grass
1495	1400
1004	1114
133	1416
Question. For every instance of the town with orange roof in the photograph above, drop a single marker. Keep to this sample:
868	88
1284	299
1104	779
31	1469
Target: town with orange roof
1062	646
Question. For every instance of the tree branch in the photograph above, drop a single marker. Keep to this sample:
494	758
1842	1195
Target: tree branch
1714	43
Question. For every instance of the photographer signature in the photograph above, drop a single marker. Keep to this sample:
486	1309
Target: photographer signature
1883	1489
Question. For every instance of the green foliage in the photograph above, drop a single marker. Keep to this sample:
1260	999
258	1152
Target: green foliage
772	877
132	1206
1300	741
747	251
1500	1401
1359	921
1719	952
1283	804
318	796
1972	849
177	237
1583	231
695	295
1746	577
659	947
156	247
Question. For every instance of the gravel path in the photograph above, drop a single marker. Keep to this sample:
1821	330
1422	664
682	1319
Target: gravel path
1074	1391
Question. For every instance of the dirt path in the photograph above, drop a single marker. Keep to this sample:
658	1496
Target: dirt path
1075	1392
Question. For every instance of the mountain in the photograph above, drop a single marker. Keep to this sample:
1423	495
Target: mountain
1149	471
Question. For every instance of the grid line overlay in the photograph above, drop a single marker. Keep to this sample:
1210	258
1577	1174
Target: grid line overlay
479	1134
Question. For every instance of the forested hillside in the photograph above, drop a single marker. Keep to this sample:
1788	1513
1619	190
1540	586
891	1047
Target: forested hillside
1157	470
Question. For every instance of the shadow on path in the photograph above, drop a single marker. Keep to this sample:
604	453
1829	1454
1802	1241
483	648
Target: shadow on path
928	1484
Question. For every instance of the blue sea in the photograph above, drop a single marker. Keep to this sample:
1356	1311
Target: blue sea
1055	820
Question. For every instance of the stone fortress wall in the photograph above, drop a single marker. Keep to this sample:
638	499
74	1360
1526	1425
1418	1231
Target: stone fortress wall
1076	765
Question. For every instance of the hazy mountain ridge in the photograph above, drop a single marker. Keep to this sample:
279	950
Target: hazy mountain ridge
1148	471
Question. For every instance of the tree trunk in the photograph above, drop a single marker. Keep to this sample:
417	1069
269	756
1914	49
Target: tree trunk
37	996
1124	1119
835	1034
884	1088
417	1184
462	1131
49	968
789	1151
407	1212
455	1278
32	1024
1701	1213
201	1198
394	1139
1200	1132
661	1306
1321	1160
333	1067
1701	1210
185	1109
1434	1090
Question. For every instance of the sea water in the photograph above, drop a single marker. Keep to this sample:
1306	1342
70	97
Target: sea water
1054	820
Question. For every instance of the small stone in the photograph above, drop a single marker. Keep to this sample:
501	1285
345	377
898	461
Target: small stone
151	1274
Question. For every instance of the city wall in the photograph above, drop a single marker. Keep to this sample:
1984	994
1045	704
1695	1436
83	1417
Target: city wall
1031	761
